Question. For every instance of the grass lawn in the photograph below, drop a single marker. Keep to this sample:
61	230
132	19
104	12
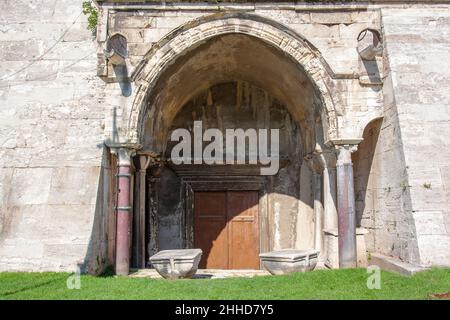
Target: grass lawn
320	284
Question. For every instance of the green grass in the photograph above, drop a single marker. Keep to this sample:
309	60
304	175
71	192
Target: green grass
320	284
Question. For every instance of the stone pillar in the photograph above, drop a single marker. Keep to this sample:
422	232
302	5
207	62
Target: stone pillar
329	191
139	218
318	211
330	224
315	162
346	207
123	210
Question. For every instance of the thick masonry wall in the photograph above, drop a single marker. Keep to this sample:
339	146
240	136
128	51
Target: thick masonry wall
51	138
56	113
418	49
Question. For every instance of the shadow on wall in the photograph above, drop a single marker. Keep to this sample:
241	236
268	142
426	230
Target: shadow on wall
365	172
96	259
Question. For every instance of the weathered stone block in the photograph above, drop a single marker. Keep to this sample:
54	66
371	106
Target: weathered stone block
25	189
429	223
127	20
154	35
394	265
433	249
289	260
175	264
170	22
331	18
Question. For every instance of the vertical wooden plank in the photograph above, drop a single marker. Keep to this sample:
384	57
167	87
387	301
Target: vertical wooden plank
210	233
242	211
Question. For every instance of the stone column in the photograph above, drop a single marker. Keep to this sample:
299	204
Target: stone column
346	207
329	191
123	210
139	219
330	223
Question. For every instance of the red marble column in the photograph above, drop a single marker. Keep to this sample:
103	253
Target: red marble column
123	211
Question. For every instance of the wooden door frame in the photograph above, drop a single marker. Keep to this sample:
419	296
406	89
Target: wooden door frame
225	183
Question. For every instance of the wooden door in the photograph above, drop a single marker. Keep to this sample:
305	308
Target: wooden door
210	232
243	230
226	228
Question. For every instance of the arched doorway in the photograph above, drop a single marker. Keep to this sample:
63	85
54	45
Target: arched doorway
216	71
231	220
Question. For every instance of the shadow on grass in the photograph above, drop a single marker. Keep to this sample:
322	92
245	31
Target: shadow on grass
35	286
108	273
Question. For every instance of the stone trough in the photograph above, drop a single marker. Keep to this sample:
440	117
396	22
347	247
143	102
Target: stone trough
289	260
176	264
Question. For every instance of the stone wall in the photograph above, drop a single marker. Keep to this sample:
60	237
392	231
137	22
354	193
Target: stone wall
418	46
383	201
51	138
56	113
400	203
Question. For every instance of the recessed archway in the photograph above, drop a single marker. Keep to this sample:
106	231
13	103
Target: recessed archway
237	53
233	58
304	58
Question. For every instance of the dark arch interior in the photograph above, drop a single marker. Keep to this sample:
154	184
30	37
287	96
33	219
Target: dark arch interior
227	58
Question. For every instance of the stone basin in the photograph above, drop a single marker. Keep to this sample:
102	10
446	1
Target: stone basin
176	264
289	260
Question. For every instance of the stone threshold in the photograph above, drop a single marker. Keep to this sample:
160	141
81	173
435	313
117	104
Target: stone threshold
212	273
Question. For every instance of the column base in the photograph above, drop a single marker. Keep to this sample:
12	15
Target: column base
332	248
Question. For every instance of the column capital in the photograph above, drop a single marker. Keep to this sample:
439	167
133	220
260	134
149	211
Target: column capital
146	158
124	152
344	149
344	141
344	154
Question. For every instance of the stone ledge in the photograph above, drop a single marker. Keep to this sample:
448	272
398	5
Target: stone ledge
203	273
394	265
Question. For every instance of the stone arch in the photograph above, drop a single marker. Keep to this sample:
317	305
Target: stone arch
365	121
198	31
